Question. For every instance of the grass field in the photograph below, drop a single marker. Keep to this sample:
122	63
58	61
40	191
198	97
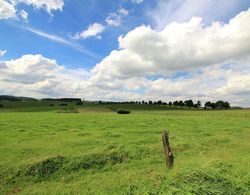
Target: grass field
97	151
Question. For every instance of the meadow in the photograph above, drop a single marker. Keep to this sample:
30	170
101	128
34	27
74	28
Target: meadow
97	151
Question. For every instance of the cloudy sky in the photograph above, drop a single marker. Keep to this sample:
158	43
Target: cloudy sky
126	49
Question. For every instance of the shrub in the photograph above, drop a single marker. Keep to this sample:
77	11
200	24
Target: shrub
1	105
51	104
123	112
63	104
46	167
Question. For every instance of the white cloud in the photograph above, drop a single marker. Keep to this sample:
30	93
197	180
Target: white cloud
35	75
7	10
24	14
137	1
93	31
115	18
48	5
182	10
29	69
123	11
178	47
2	52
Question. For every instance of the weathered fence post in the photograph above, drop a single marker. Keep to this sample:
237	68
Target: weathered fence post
167	150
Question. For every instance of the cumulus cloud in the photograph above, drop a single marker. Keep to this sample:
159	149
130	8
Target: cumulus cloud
179	46
7	10
29	69
48	5
36	75
115	18
2	52
94	30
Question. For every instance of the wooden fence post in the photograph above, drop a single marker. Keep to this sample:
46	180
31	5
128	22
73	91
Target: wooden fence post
167	150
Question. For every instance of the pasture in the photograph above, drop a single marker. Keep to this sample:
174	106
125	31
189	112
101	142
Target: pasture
97	151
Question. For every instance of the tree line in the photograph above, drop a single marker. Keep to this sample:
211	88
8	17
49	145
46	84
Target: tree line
178	103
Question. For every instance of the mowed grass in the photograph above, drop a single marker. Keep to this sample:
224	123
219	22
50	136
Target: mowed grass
106	153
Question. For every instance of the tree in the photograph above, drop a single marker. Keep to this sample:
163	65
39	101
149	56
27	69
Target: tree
226	105
197	105
159	102
213	105
170	104
175	103
219	104
208	104
181	104
150	102
189	103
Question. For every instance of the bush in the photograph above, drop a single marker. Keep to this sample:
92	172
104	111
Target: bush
46	167
51	104
123	112
1	105
63	104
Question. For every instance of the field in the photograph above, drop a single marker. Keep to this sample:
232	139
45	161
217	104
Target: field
97	151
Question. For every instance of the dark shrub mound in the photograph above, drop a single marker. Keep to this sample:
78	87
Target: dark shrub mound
46	167
1	105
51	104
63	104
123	112
97	161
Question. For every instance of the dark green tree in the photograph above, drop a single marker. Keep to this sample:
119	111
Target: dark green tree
176	103
226	105
208	104
181	104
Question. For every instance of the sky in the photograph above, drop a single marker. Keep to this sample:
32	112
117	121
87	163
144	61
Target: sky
122	50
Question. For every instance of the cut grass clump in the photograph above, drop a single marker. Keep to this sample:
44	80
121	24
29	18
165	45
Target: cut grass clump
98	161
60	165
206	181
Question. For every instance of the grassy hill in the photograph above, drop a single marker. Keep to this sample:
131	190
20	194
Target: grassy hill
38	106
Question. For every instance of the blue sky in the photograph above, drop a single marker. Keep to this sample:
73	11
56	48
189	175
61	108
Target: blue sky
76	16
82	37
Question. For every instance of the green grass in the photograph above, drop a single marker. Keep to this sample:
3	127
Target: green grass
97	151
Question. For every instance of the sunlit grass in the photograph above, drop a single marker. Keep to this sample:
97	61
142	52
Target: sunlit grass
103	152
